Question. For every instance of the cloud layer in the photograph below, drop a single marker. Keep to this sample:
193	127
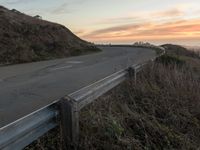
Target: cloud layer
162	25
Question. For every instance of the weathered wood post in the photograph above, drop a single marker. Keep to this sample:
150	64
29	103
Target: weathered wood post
69	123
132	73
135	75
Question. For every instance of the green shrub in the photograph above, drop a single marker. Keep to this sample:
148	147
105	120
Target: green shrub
113	129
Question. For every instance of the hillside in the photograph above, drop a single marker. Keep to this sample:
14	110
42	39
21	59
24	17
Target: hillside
180	50
25	39
193	48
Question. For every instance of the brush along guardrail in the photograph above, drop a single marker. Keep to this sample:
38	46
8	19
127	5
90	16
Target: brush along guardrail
64	112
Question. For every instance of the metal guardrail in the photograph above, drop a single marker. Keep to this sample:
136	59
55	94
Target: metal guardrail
22	132
64	112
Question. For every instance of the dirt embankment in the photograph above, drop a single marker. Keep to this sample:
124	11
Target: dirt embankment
25	39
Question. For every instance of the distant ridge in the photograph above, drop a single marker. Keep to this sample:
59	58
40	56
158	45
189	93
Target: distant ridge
25	39
178	49
193	48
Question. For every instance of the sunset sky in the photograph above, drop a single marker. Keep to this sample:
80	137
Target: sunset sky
121	21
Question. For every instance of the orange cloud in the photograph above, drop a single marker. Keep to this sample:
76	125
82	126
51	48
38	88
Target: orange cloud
143	16
182	29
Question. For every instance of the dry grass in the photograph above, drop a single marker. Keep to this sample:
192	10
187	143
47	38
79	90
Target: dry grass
161	111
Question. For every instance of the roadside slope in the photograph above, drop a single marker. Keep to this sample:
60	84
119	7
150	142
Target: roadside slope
25	39
161	111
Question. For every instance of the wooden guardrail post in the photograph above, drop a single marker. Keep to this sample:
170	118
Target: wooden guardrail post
135	75
69	123
132	73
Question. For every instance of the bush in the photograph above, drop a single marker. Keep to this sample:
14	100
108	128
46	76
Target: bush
170	60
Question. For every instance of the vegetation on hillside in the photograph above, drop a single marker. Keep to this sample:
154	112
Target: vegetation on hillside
160	111
25	39
177	50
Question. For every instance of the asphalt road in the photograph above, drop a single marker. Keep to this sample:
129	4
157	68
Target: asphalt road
25	88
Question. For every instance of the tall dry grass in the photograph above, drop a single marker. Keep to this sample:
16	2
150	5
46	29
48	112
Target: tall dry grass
161	111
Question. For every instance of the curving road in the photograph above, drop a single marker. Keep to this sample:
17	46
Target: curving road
25	88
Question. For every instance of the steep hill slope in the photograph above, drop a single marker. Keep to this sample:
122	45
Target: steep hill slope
24	39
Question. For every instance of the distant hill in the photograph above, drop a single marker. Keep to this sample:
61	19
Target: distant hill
193	48
180	50
25	39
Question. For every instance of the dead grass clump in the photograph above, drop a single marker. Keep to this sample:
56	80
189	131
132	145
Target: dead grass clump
161	111
170	60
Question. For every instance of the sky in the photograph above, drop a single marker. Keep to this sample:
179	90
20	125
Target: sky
121	21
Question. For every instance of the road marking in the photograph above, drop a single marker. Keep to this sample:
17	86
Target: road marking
74	62
64	67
